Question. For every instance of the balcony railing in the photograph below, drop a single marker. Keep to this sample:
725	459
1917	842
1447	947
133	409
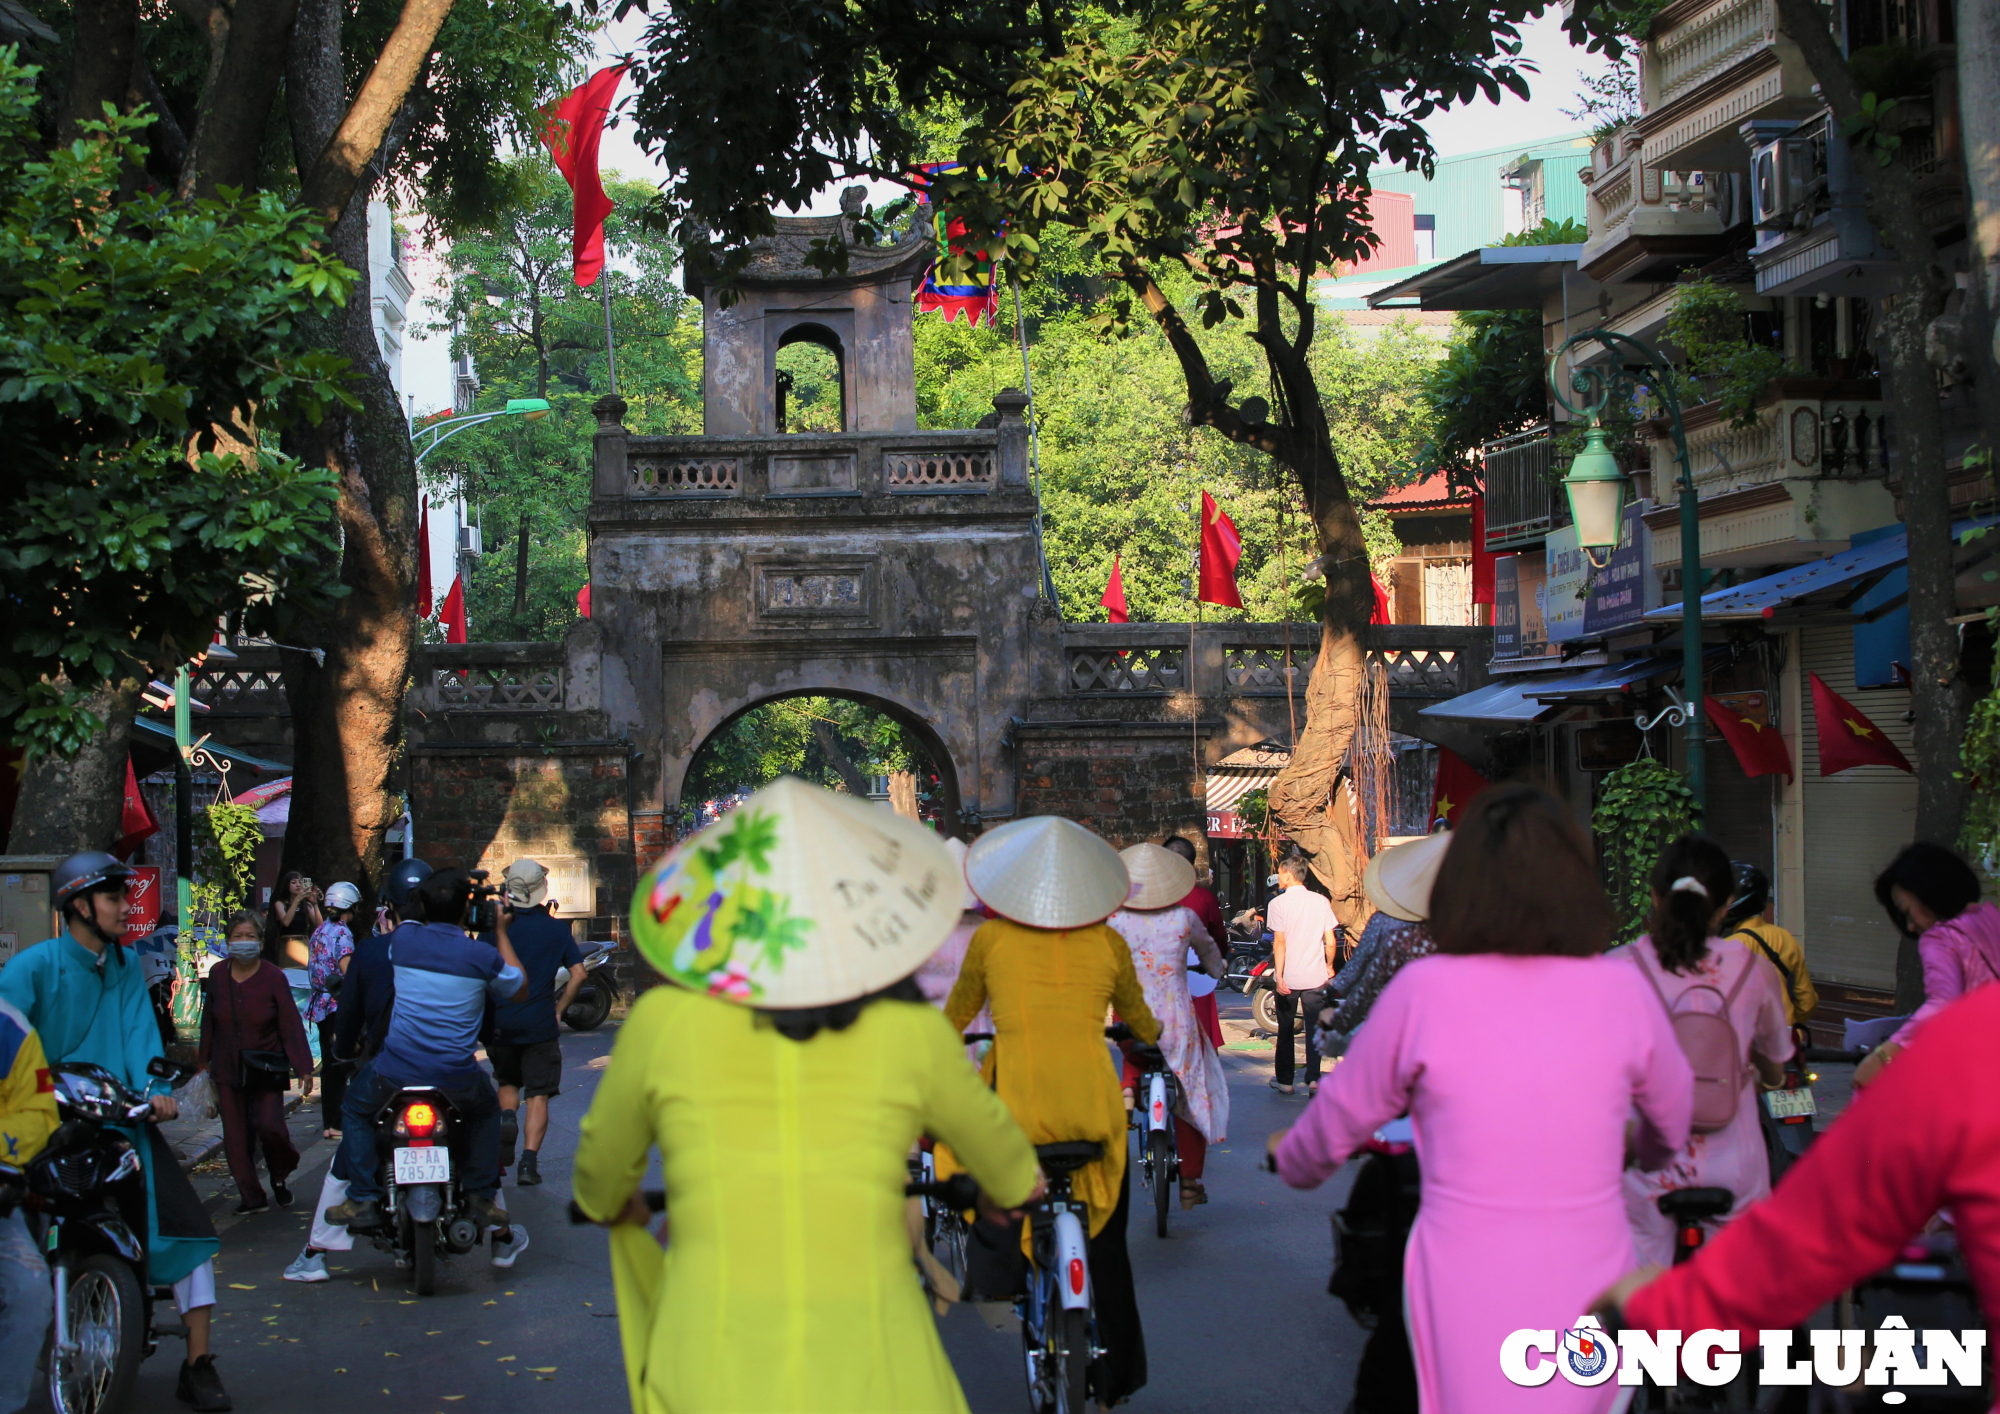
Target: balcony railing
1254	660
1644	220
1714	41
1794	438
1520	496
447	678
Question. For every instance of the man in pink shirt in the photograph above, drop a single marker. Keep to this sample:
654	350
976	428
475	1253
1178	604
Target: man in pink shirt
1302	927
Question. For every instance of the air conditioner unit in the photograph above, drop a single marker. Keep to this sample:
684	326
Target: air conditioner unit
469	542
1776	189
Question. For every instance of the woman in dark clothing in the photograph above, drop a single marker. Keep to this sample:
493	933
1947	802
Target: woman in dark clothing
294	913
250	1034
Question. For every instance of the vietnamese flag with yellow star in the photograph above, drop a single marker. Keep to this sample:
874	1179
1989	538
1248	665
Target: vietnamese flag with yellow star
1759	747
1847	738
1457	783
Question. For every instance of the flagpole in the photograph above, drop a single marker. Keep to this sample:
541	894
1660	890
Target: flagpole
1034	440
1194	702
610	352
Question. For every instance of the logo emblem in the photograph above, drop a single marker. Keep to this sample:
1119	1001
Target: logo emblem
1587	1353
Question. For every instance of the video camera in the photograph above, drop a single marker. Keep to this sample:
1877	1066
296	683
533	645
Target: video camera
483	916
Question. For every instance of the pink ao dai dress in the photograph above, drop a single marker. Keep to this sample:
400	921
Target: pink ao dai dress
1518	1074
1160	939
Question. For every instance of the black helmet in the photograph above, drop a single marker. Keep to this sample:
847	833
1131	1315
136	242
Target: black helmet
1751	896
81	873
403	876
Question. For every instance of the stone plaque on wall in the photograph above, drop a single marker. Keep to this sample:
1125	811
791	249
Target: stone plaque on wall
788	591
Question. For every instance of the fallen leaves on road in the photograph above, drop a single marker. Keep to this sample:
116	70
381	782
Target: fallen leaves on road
503	1359
541	1369
239	1286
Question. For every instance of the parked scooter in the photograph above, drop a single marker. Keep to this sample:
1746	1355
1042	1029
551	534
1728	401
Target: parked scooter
86	1192
420	1137
590	1006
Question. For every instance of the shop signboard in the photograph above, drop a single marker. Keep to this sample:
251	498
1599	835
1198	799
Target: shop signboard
1622	592
1566	585
1520	631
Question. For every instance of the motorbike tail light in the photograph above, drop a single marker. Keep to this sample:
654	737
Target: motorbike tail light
1076	1276
420	1120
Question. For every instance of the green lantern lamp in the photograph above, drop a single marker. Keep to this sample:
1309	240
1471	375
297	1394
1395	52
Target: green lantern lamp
1596	489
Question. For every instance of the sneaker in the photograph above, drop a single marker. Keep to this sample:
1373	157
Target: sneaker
202	1387
246	1208
484	1210
505	1252
527	1175
307	1266
360	1214
1279	1086
281	1194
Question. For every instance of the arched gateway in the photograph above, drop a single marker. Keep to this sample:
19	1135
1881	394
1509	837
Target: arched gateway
878	562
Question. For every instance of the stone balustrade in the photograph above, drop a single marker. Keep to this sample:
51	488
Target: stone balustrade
1259	660
1645	221
1682	57
1795	437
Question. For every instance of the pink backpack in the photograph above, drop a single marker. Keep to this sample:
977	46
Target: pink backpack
1709	1040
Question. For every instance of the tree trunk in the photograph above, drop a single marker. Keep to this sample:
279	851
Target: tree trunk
344	153
1979	122
850	775
101	58
521	578
903	794
347	717
226	148
73	804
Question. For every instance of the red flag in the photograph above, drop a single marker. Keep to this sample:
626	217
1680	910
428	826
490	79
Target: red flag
1759	746
137	822
426	601
1457	783
583	602
1221	548
1482	558
1114	594
451	613
1847	738
1380	613
574	129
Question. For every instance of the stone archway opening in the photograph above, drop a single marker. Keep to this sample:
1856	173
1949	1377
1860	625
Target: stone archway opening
844	741
811	390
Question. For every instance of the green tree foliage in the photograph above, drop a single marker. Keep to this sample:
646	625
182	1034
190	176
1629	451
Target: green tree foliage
512	303
1641	808
1493	378
134	331
789	737
226	837
1721	361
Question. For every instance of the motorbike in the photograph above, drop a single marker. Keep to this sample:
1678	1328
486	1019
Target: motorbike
426	1210
1245	953
590	1006
86	1194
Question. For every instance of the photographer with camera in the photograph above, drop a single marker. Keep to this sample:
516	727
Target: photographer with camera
443	978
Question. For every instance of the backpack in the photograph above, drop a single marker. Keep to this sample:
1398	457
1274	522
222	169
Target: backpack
1708	1039
1791	990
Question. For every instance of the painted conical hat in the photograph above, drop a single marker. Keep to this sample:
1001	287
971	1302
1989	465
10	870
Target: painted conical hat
967	899
1160	878
1398	880
1047	872
797	898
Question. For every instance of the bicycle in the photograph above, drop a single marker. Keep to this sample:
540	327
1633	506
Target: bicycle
1158	1157
1687	1209
945	1230
1059	1309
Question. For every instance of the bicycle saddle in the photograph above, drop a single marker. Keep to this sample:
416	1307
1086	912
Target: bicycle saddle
1068	1156
1692	1205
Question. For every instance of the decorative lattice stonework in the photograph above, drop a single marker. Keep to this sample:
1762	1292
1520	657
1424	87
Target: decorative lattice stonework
1420	672
939	470
1261	667
498	689
687	476
249	691
1126	669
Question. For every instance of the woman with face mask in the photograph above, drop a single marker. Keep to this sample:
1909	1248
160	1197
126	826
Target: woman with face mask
252	1043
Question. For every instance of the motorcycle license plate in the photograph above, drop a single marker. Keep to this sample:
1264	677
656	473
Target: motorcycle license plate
1789	1104
423	1166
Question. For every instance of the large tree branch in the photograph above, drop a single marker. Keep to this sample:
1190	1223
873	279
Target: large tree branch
829	745
1208	403
338	169
227	146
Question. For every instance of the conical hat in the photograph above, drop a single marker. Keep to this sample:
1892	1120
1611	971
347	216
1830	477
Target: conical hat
1398	880
1047	872
1160	878
968	901
797	898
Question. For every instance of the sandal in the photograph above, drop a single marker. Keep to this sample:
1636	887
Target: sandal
329	1134
1193	1195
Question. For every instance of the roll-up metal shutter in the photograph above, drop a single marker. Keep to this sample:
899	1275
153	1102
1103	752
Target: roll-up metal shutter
1853	824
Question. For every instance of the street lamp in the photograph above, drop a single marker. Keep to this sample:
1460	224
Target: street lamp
1596	491
533	409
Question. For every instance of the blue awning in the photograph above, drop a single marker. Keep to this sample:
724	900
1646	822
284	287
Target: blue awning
1828	588
1496	702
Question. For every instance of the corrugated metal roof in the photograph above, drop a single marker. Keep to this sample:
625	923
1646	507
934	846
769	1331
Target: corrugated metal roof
1466	197
1225	790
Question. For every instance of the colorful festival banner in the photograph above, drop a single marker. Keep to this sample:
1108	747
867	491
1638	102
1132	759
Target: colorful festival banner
977	300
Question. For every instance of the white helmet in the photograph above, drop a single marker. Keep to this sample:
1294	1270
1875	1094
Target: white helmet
342	895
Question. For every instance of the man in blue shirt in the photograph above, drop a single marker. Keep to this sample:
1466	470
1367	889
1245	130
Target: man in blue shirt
443	978
525	1050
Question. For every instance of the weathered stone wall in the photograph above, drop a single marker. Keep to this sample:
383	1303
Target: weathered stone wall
1132	782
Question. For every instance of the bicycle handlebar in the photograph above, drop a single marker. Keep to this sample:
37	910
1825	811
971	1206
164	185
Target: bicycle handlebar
959	1192
1827	1053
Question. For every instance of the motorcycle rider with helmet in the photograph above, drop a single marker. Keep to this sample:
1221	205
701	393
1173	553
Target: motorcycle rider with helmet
360	1019
443	978
86	996
27	1118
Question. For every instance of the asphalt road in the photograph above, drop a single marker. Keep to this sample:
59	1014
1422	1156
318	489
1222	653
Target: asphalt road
1234	1300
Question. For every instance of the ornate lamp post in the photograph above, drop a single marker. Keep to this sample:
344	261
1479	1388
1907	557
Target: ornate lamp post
534	409
1596	491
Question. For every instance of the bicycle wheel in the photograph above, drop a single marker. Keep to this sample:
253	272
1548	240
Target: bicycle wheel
949	1245
423	1259
1160	1164
1072	1361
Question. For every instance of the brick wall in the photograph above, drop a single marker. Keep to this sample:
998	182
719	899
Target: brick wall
1129	782
486	806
